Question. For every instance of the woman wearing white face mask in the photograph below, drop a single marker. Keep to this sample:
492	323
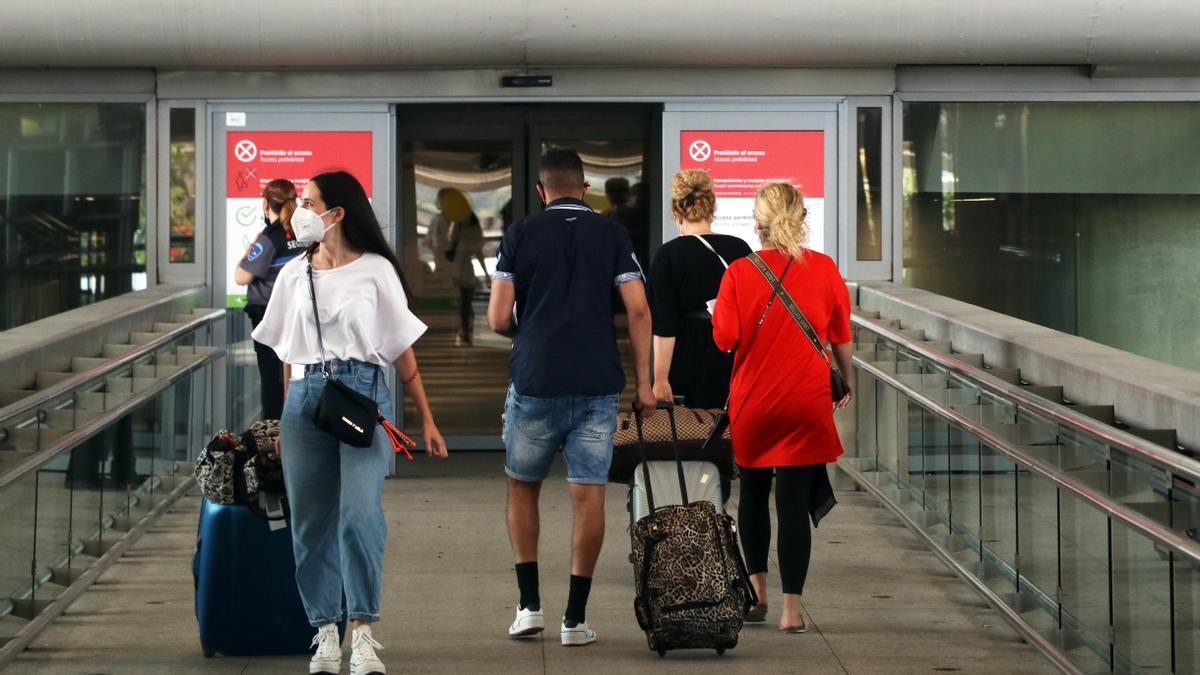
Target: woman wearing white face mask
338	527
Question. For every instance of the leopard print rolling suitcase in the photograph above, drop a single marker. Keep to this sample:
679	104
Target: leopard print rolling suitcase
692	590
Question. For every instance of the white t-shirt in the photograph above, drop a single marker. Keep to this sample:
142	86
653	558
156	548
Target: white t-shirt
364	314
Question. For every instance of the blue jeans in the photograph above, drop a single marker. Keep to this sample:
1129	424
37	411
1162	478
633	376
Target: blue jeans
535	428
335	492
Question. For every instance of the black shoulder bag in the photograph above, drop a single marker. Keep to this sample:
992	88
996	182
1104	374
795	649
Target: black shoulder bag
343	412
722	422
837	382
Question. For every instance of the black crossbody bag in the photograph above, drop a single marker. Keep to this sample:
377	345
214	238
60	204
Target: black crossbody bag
343	412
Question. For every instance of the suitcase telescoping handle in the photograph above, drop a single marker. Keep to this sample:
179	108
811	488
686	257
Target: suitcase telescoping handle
637	415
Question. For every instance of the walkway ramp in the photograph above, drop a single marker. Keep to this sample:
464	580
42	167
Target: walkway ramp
880	601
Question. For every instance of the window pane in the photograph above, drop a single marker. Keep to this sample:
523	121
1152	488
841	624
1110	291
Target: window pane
183	185
869	184
1076	216
72	206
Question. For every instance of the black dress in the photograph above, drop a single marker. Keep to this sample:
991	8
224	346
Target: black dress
684	276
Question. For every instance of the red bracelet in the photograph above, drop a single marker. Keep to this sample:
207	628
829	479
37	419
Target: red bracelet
413	377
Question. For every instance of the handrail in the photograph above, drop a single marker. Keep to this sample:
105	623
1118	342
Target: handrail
94	426
40	398
1114	509
1165	458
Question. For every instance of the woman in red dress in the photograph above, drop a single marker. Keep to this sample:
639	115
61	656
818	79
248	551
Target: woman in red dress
780	408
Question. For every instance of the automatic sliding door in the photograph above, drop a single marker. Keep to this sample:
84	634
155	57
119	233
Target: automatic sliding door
458	184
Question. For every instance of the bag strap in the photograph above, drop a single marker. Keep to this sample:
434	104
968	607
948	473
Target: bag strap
792	309
710	247
312	292
776	288
670	408
637	416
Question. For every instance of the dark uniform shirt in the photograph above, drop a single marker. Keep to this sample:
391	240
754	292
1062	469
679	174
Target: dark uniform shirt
564	263
271	251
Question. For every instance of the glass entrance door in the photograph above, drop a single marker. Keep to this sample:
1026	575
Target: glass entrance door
462	183
457	189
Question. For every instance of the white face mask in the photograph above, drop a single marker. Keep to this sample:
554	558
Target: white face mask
308	226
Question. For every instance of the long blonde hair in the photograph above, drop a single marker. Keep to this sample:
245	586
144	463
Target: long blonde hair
779	211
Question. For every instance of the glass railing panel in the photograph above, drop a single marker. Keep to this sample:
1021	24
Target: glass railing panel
935	466
908	363
85	478
18	527
1185	514
965	487
892	431
1084	542
866	422
1141	602
54	511
1140	486
998	517
1037	547
911	464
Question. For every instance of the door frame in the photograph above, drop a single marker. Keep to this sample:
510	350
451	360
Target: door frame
287	116
527	124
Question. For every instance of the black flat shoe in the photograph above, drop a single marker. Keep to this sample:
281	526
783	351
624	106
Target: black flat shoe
756	614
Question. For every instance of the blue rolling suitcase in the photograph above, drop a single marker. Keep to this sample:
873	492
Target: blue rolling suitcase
247	603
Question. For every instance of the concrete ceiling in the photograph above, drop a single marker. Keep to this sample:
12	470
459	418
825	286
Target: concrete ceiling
474	33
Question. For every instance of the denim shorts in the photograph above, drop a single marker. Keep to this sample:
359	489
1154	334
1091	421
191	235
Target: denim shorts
535	428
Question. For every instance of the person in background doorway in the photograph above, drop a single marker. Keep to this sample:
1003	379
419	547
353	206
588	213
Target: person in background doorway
437	236
335	490
617	191
781	409
466	246
558	269
684	277
273	249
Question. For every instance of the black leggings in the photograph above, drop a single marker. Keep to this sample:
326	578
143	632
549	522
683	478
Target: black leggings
793	490
270	369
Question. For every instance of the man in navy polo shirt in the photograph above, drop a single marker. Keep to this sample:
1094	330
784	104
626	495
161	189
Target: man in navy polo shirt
558	269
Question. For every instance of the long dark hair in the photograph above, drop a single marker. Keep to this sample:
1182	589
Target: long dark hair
360	227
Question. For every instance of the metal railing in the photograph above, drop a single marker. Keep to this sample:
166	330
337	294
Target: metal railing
89	463
1082	534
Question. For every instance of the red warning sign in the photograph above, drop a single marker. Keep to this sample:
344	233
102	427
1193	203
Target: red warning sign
740	162
255	158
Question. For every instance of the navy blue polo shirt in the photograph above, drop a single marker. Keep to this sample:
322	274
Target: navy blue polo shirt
564	263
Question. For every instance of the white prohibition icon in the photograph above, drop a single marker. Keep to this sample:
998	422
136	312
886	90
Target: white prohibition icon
245	150
700	150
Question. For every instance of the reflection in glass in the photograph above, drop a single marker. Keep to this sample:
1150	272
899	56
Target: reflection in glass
72	216
183	185
457	197
479	170
868	185
1076	216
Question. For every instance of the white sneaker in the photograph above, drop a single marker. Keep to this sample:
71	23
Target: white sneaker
328	658
578	636
529	622
362	654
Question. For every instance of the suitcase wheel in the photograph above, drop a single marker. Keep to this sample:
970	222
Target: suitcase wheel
208	653
720	651
661	652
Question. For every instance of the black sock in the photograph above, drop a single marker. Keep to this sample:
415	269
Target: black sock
577	601
527	581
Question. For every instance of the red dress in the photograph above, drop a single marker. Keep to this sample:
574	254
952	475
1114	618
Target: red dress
781	413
